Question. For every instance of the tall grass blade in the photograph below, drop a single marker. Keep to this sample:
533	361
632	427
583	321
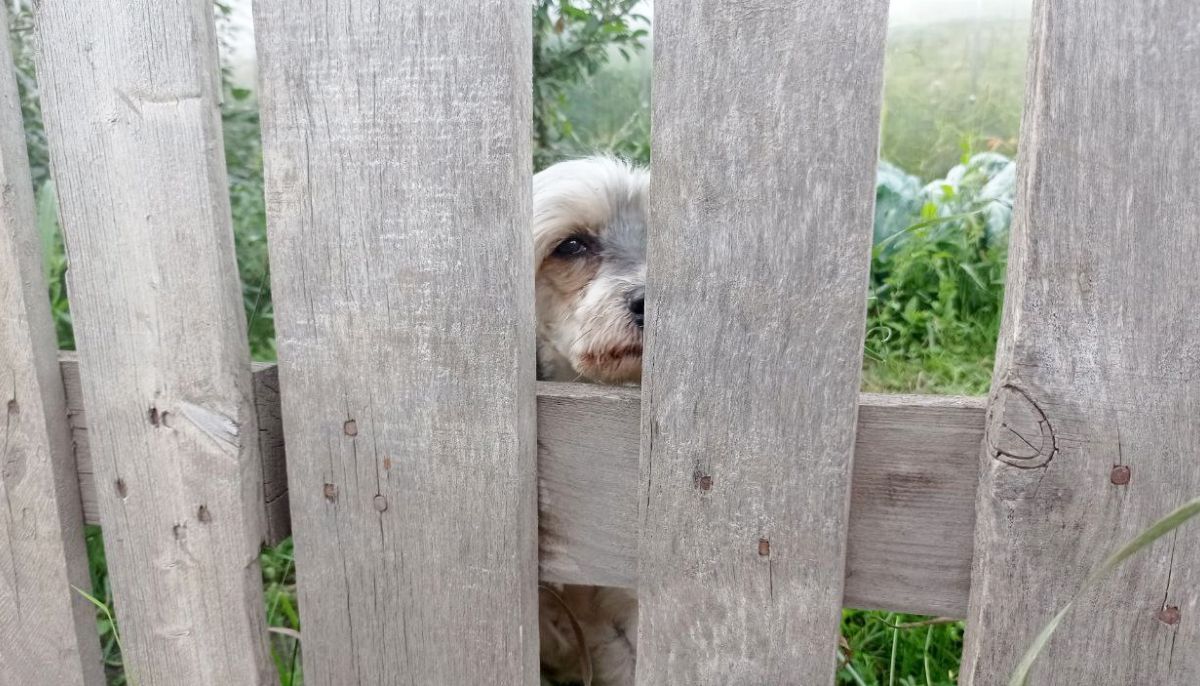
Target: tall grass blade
1156	531
103	607
47	226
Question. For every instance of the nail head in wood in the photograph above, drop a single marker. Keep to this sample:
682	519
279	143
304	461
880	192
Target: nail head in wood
1120	475
1169	615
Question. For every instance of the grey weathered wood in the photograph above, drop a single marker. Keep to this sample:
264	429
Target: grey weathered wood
587	483
766	120
277	518
396	140
1098	371
47	630
912	507
912	504
130	96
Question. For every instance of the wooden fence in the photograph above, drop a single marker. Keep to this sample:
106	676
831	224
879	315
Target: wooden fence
769	494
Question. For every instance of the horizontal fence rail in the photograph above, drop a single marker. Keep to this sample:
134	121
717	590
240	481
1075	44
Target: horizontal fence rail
912	498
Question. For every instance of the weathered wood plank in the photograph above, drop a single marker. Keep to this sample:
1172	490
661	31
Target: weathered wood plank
588	446
47	631
912	504
131	109
396	140
912	507
1092	431
766	124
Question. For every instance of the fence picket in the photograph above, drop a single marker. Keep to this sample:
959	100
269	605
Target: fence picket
47	630
131	108
396	140
766	124
1092	431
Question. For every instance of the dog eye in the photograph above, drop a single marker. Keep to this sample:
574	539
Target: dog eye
572	247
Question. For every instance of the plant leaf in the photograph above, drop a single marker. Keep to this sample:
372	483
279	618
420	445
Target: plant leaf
47	225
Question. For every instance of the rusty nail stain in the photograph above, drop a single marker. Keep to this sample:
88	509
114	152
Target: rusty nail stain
331	492
203	514
122	490
350	427
704	482
764	547
380	502
1120	475
1169	615
387	463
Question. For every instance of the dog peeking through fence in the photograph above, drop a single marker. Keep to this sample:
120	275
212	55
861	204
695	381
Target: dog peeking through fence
589	239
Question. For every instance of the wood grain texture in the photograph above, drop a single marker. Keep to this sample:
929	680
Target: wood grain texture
1098	366
130	101
277	514
47	630
398	176
912	504
765	128
588	446
912	500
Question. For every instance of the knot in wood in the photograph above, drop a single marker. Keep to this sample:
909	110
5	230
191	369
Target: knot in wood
1018	432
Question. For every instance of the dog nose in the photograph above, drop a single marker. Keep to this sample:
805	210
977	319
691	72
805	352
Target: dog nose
637	307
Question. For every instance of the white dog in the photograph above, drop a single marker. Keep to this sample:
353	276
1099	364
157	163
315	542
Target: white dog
589	238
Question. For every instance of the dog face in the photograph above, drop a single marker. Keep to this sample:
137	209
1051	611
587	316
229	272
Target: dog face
589	237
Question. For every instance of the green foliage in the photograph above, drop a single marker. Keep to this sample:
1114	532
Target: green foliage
937	278
244	162
54	261
21	44
283	612
610	112
101	597
572	40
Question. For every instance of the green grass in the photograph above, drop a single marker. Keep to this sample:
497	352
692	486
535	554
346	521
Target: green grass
893	649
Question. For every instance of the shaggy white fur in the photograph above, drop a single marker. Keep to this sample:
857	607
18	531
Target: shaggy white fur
589	239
